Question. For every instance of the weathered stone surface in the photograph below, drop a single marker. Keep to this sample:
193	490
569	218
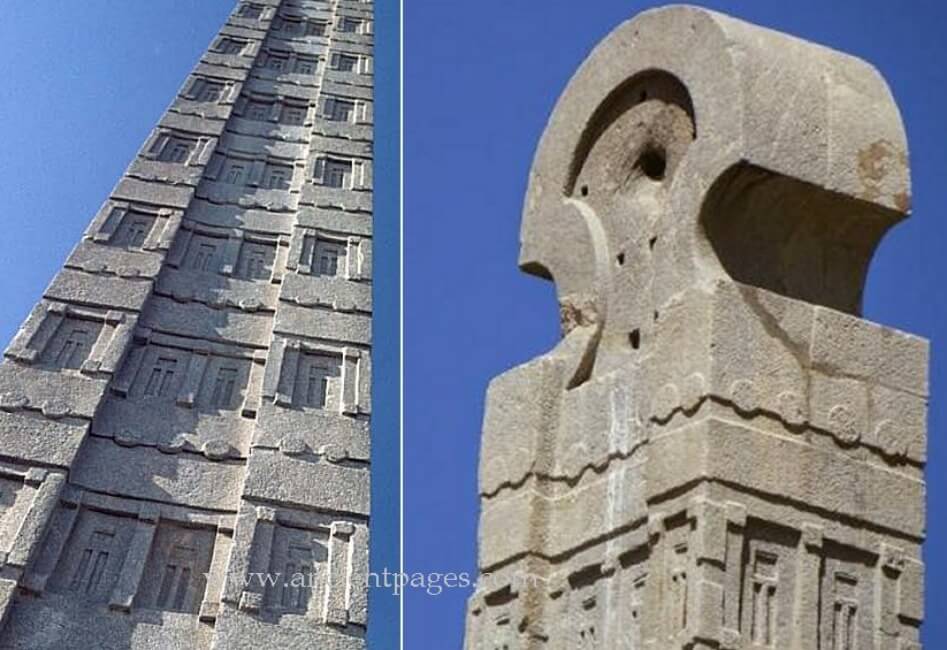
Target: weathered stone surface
56	395
184	416
275	87
146	473
334	88
296	432
191	286
335	130
327	324
99	290
37	440
332	198
155	192
338	220
202	321
248	217
326	291
720	453
246	196
96	258
327	482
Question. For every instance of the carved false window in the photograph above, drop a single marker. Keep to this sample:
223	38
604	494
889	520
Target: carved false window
256	261
174	149
295	115
250	10
277	177
316	28
299	556
306	65
338	173
204	258
503	633
581	623
256	266
340	110
210	91
765	580
318	384
291	26
323	257
350	25
327	258
850	598
229	45
174	576
587	633
636	606
845	612
235	172
72	344
91	555
335	172
203	254
203	90
176	580
225	385
88	576
258	110
160	380
677	600
298	574
218	384
276	62
344	62
133	230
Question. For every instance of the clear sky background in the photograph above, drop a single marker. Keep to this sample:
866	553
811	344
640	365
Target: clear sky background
480	80
81	86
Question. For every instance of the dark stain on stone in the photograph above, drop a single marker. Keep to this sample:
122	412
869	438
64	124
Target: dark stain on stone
874	163
871	162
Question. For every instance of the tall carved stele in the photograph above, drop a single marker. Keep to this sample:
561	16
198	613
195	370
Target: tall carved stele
187	408
720	453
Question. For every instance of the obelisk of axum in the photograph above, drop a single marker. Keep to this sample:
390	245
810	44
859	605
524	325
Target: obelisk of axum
184	417
720	452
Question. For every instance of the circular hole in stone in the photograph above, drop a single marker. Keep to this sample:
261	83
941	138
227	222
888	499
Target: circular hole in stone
652	242
653	163
584	190
620	259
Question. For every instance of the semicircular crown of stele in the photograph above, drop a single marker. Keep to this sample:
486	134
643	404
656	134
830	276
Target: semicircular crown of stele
691	147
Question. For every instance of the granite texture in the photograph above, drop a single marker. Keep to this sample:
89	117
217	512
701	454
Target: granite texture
720	453
185	415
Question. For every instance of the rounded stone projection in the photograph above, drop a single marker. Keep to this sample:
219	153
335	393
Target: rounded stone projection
719	453
691	146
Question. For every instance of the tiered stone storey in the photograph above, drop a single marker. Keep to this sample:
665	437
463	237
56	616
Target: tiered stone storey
188	407
720	453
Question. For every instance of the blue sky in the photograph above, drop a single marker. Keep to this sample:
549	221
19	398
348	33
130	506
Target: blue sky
480	81
83	85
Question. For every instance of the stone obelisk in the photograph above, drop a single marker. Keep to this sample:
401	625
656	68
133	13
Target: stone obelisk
720	452
184	417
